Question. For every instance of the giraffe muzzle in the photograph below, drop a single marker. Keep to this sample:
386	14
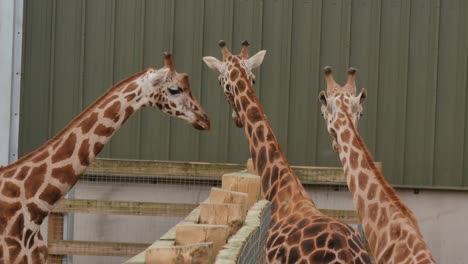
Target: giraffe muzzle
202	123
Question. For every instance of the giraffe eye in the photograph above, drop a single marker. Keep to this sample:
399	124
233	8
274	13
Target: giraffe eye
175	90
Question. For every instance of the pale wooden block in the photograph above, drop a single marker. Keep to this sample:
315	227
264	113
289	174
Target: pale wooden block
218	195
201	253
222	214
198	233
243	182
250	167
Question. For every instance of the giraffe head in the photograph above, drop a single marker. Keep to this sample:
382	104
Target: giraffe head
170	91
231	69
341	101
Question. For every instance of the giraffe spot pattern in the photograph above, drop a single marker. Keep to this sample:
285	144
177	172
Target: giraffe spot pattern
253	114
130	88
14	248
34	180
7	211
97	148
83	153
42	156
65	174
51	194
23	173
353	159
372	191
129	111
17	227
112	112
37	215
362	180
11	190
66	149
88	123
108	100
103	131
130	97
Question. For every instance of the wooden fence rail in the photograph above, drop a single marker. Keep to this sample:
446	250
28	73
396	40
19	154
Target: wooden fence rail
112	170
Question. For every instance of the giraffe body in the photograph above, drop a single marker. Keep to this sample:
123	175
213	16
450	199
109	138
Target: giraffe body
299	232
390	226
30	187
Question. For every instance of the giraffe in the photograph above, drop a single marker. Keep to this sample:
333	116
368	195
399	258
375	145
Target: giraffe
31	186
390	226
299	232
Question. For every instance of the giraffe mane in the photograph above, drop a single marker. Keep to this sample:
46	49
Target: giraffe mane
387	188
74	121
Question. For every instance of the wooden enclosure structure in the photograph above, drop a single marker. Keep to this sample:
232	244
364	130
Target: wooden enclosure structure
188	171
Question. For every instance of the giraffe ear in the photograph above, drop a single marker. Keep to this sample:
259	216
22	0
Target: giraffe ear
213	63
362	95
256	60
323	98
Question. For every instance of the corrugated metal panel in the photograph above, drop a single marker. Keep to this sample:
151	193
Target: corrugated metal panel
412	57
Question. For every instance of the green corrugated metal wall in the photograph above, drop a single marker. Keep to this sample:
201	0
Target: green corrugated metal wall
412	57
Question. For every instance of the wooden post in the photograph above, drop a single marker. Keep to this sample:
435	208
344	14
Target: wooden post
194	253
54	233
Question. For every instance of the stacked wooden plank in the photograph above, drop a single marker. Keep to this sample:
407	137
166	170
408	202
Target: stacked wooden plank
204	232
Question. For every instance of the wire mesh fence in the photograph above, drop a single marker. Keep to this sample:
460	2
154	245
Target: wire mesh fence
118	208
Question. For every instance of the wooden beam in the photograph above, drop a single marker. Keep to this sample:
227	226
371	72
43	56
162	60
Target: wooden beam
92	248
123	207
201	171
201	253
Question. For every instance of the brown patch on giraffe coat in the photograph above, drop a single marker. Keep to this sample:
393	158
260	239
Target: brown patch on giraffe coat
14	248
103	131
395	231
402	252
112	112
129	111
363	179
108	100
253	114
11	190
97	148
132	86
360	204
255	141
352	184
353	159
356	143
373	211
39	254
8	210
259	132
244	102
88	123
130	96
261	161
36	213
372	191
34	180
273	152
241	86
83	153
383	197
51	194
66	150
17	227
345	136
234	74
383	218
42	156
65	174
9	173
22	173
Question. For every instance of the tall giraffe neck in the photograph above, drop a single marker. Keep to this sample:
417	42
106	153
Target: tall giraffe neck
48	173
390	226
280	185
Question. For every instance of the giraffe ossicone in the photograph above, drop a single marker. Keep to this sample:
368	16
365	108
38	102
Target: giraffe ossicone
390	226
30	187
299	232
